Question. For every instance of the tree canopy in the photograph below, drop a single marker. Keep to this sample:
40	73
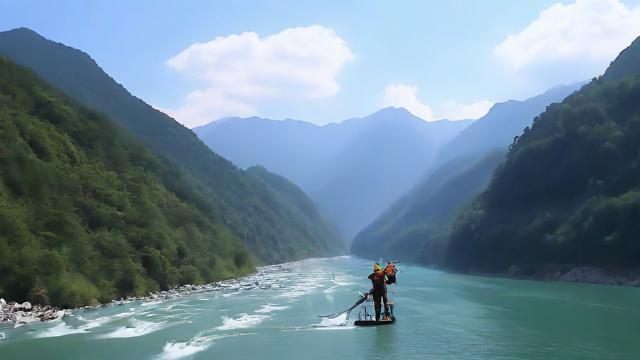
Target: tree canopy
87	214
569	190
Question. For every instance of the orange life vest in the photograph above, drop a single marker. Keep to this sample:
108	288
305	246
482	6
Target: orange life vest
390	269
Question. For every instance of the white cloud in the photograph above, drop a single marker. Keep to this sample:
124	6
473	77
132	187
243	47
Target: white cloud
587	34
475	110
203	106
400	95
239	71
404	96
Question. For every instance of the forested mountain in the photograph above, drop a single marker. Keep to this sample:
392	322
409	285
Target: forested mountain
416	227
501	124
88	214
569	190
353	169
626	64
253	211
324	234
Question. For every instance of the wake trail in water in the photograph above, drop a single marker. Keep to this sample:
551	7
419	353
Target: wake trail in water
136	328
180	349
60	329
242	321
339	322
269	308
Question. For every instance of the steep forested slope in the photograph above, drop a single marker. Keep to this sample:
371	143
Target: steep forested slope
569	191
325	239
499	126
88	214
416	226
250	209
625	64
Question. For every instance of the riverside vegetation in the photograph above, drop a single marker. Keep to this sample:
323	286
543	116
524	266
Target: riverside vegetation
102	196
270	226
87	214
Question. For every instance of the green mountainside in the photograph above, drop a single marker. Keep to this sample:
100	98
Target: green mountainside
625	64
569	190
250	209
87	214
497	128
416	227
325	239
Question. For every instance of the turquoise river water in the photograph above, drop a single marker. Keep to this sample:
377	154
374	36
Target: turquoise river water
440	316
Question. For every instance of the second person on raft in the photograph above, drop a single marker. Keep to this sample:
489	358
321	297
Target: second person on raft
379	279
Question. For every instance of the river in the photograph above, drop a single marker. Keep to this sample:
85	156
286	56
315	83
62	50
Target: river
440	316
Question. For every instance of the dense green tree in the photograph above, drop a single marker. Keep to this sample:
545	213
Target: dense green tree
87	214
246	205
324	237
568	192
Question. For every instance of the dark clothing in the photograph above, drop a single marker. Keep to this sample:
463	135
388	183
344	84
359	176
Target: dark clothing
379	293
377	300
390	271
391	279
377	280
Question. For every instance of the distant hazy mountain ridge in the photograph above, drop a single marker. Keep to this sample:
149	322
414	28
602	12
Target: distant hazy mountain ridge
417	226
353	169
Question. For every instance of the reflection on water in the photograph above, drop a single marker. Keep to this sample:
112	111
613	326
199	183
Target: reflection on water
439	316
385	338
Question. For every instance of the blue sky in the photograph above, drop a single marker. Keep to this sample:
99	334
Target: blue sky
339	59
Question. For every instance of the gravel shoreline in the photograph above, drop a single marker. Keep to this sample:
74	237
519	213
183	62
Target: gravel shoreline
16	314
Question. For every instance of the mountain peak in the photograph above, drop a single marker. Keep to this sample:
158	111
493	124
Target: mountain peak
29	48
22	34
626	63
393	111
22	30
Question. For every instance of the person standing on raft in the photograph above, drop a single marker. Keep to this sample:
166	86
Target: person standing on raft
379	291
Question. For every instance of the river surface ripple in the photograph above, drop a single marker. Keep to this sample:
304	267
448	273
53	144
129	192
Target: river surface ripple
440	316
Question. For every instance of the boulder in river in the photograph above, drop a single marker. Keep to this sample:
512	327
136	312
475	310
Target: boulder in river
25	306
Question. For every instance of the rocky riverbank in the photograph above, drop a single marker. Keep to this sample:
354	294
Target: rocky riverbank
580	274
17	314
20	314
